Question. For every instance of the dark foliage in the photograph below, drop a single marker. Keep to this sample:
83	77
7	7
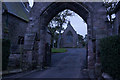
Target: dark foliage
5	53
110	55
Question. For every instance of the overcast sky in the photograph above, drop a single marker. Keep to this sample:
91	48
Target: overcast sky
78	24
76	21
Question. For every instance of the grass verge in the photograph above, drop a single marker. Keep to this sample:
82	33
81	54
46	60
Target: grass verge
59	50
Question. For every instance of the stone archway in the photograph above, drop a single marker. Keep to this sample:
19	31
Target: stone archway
42	13
55	8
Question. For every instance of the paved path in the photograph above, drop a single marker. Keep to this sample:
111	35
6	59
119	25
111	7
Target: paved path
64	65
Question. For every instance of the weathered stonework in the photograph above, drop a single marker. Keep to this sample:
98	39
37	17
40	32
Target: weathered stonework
13	24
35	32
93	14
13	27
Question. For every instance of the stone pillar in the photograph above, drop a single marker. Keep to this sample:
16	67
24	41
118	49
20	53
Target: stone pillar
41	48
100	33
98	63
28	45
91	54
91	59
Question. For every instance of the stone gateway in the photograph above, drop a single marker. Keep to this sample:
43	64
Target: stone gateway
34	29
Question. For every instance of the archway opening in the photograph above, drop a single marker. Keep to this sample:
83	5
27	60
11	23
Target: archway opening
60	31
49	13
72	35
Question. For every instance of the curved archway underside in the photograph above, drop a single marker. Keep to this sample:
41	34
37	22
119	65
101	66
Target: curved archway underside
55	8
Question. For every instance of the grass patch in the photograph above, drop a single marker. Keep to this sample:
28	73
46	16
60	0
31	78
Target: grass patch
59	50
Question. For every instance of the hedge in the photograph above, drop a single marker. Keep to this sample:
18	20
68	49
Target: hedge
110	55
5	53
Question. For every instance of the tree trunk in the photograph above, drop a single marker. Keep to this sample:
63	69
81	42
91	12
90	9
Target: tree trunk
52	42
59	37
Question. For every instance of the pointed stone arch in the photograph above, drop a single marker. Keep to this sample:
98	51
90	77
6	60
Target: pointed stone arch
53	9
41	14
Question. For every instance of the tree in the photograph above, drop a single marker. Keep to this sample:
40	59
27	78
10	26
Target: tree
57	24
81	39
110	6
52	32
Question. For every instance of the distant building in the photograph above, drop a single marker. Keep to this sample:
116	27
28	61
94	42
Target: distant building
69	37
14	23
15	20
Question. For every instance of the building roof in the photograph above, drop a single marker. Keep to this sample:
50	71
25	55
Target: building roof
17	9
69	26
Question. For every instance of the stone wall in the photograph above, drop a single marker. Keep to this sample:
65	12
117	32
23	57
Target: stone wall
94	14
13	28
16	27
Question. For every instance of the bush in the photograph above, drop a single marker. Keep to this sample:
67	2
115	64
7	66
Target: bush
110	55
5	53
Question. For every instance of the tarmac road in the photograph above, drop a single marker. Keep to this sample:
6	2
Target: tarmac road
70	64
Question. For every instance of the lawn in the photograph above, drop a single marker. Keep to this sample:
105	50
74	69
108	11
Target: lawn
59	50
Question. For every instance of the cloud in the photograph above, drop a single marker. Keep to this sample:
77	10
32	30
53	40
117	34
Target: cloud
31	2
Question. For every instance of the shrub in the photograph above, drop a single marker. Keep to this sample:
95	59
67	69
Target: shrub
110	55
5	53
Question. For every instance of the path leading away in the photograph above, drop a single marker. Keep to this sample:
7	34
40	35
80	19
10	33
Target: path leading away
64	65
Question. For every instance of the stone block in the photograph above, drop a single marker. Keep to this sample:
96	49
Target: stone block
28	47
98	69
91	73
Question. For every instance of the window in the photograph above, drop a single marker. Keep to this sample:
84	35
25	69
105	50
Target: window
20	40
69	37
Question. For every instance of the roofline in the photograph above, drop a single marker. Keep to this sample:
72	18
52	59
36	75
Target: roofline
18	17
26	20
